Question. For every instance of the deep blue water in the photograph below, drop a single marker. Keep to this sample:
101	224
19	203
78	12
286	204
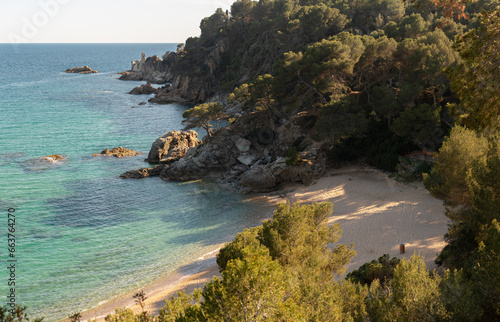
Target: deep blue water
83	235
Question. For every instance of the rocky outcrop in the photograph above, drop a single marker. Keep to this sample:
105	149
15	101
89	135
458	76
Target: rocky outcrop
197	84
118	152
81	70
248	156
172	146
188	82
143	89
152	69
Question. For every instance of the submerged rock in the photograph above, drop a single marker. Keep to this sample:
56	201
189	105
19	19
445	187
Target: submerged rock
143	173
118	152
143	89
43	163
81	70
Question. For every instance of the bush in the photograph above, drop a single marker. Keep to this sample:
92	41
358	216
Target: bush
293	156
383	270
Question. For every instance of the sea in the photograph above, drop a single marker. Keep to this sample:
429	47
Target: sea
82	235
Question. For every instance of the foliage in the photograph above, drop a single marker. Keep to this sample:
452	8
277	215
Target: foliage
298	237
75	317
15	314
253	288
123	315
409	169
341	120
258	95
457	155
202	116
476	80
413	295
140	298
293	156
381	270
417	124
282	270
233	250
320	73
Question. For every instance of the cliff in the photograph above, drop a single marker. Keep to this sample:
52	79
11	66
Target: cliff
188	83
152	69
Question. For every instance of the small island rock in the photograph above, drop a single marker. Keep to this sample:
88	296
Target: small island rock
119	152
81	70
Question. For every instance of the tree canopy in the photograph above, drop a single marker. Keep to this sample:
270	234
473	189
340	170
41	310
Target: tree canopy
203	115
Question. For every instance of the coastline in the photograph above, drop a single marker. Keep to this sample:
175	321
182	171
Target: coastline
375	212
186	278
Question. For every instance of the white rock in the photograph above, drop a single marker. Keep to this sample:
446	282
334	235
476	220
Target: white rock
247	159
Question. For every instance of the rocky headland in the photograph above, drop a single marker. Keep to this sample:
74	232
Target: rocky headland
153	69
184	84
118	152
247	156
81	70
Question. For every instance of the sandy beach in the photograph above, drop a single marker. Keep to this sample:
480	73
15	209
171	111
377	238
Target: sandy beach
375	212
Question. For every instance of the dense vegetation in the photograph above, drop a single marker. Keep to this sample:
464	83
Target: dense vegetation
371	73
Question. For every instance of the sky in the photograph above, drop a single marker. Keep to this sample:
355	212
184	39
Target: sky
104	21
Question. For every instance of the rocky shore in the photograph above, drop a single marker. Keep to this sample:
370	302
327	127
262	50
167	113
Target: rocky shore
183	88
247	156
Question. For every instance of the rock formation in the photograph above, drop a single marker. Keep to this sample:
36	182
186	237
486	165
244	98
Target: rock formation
172	146
185	87
143	89
152	69
248	156
81	70
197	85
118	152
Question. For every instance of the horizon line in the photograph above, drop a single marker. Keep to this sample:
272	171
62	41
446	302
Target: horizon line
79	43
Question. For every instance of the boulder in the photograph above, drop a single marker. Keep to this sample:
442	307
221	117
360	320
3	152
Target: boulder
143	173
247	159
242	144
172	146
81	70
143	89
258	179
118	152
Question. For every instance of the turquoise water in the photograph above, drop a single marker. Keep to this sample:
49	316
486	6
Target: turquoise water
83	235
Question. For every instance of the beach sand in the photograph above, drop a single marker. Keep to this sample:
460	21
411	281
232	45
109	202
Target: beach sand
375	212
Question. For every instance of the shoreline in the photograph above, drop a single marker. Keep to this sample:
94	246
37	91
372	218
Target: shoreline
187	278
375	212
